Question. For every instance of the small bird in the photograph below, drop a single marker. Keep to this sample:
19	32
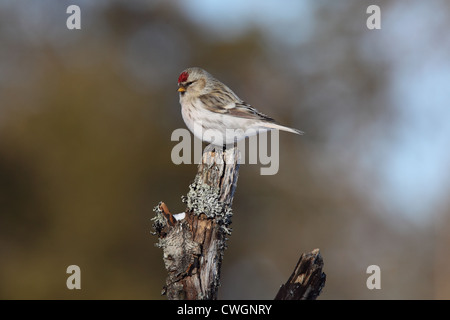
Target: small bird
215	114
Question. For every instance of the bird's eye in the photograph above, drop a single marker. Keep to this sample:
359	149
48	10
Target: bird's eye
189	83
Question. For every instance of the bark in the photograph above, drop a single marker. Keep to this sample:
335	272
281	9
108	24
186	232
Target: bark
193	247
307	280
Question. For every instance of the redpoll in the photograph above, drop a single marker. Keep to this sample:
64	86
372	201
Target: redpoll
215	114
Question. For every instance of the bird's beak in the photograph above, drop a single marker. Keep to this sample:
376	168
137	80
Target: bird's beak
181	89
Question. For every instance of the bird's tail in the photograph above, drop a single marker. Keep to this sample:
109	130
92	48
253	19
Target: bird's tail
283	128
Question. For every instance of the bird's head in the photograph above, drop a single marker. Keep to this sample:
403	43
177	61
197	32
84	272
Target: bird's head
192	82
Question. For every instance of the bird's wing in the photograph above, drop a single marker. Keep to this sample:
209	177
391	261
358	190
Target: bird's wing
227	104
244	110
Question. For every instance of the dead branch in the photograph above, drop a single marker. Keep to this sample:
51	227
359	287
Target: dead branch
193	247
307	280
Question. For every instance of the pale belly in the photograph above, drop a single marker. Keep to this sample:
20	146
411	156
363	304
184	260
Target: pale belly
218	129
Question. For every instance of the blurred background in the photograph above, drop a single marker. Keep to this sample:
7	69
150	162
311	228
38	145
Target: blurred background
86	118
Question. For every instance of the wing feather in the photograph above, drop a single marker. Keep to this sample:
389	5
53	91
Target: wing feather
226	104
244	110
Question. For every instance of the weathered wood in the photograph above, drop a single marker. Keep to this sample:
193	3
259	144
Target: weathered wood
193	247
307	280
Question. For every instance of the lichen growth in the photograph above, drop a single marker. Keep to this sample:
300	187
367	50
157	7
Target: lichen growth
159	222
158	218
203	198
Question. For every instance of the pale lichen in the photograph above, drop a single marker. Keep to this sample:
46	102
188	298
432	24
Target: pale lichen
205	199
159	221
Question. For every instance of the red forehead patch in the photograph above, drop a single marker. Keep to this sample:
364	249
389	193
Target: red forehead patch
183	77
